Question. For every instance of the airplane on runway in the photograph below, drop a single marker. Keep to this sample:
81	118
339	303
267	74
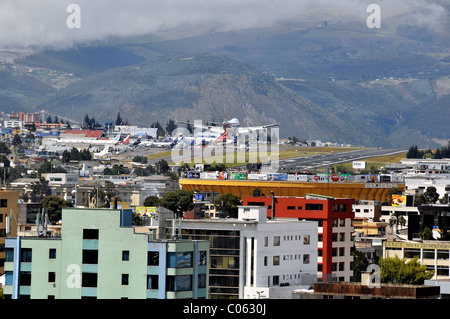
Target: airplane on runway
65	141
230	126
103	154
233	124
167	143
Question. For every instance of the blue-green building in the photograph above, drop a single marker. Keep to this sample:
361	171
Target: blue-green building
100	255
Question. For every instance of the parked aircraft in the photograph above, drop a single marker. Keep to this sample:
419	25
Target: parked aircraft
232	124
105	153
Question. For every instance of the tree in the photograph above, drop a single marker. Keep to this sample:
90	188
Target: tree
170	127
151	201
118	119
162	166
396	220
16	140
414	152
39	190
140	159
360	264
430	196
228	204
426	234
178	201
86	121
220	167
257	193
399	271
4	149
160	131
54	205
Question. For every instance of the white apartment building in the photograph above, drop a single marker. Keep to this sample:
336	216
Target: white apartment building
252	257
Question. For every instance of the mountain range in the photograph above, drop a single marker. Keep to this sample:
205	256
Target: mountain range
335	81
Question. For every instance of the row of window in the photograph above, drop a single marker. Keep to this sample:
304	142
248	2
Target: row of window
335	252
334	237
277	242
276	259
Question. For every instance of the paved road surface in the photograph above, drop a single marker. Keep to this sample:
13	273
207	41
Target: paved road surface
322	160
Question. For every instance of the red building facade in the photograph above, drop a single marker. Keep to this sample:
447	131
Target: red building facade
334	217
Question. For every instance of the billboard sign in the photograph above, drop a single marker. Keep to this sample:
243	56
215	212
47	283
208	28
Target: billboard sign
146	211
399	200
359	165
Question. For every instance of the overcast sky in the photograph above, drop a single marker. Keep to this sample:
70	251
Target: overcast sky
42	23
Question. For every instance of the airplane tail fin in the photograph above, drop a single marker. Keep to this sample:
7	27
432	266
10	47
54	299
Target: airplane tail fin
126	140
221	138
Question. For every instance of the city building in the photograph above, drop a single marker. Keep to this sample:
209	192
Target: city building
100	255
334	217
27	116
433	254
355	290
9	211
253	257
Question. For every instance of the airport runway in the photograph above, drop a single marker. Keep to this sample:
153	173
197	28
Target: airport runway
322	160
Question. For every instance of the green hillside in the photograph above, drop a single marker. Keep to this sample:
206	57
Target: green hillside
336	82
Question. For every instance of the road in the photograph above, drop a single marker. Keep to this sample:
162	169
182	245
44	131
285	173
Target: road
322	160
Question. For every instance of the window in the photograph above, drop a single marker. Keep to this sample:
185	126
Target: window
342	222
125	279
179	283
299	207
90	257
306	258
125	255
291	208
153	258
179	259
276	240
90	233
265	260
314	207
306	239
51	277
9	254
320	238
343	207
335	207
52	253
89	280
341	251
25	278
25	255
276	280
276	260
202	281
266	241
341	236
3	203
152	282
9	278
202	258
